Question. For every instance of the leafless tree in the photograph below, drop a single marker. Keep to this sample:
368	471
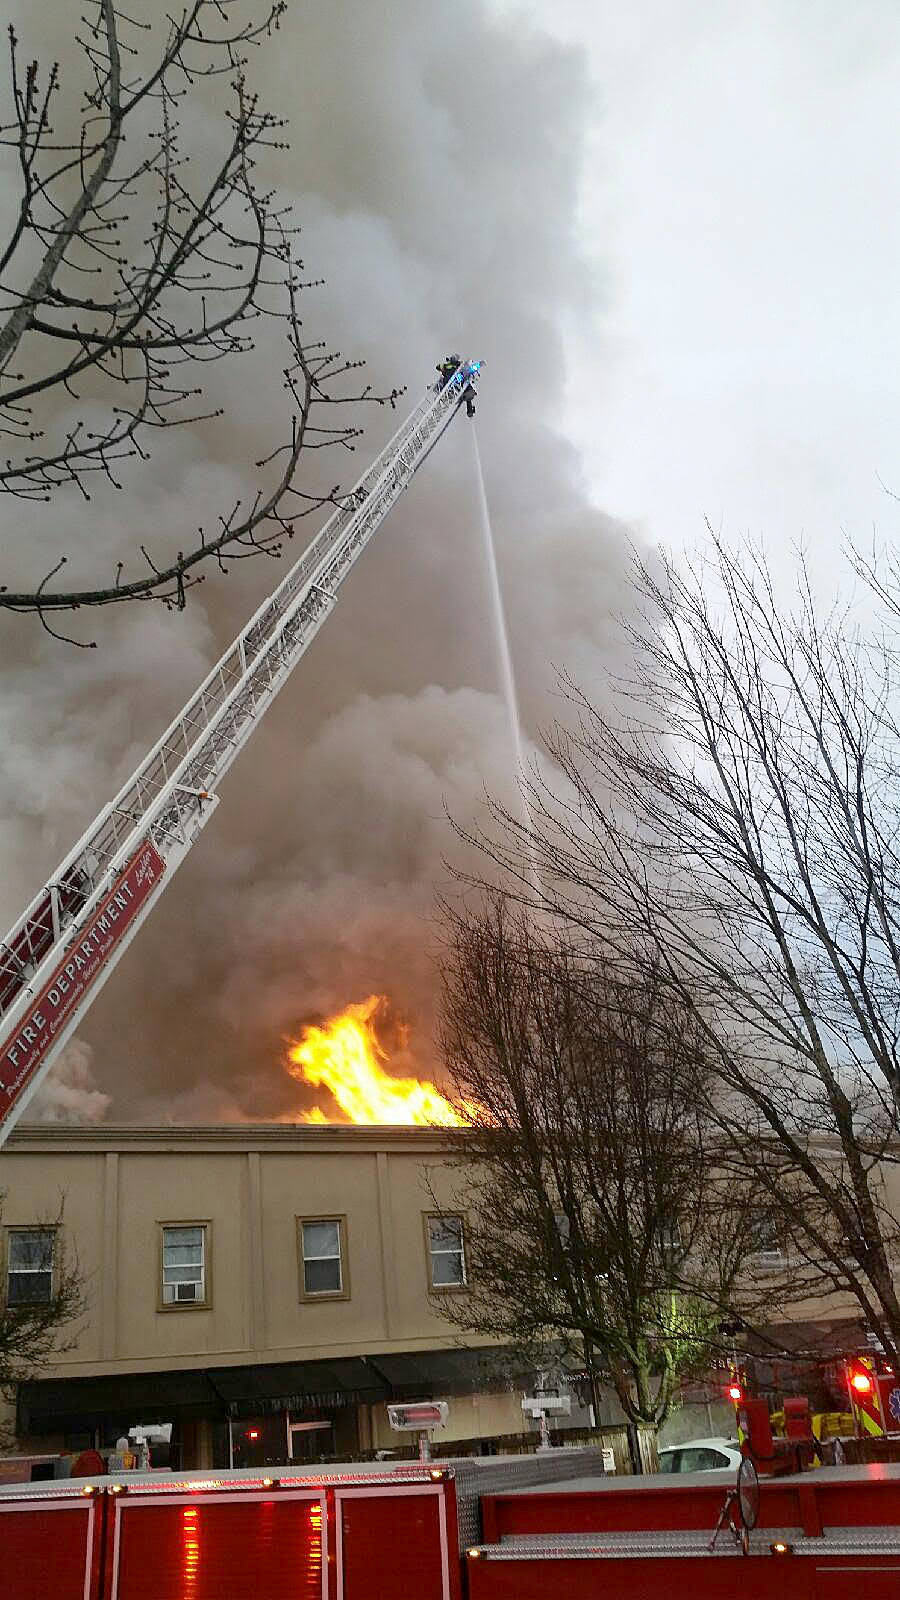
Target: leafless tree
734	825
42	1306
124	275
597	1222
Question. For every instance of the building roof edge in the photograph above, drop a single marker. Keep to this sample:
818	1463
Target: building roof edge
240	1135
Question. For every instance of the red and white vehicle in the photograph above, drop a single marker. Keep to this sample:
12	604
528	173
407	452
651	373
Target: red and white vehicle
490	1529
346	1535
344	1532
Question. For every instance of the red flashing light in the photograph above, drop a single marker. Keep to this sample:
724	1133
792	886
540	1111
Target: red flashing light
735	1393
252	1433
861	1382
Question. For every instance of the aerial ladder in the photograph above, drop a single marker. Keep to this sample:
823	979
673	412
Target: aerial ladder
58	955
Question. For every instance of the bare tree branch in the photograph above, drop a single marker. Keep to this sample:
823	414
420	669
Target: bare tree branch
600	1224
734	827
38	1326
137	310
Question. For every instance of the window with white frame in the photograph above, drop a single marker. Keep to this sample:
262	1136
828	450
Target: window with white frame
29	1266
322	1253
446	1252
185	1274
767	1244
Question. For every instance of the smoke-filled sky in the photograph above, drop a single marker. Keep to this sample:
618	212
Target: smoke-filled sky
670	233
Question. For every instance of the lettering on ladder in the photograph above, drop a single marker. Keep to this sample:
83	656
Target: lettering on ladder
23	1051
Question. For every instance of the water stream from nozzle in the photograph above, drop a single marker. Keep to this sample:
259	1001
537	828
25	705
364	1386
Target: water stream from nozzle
505	663
504	655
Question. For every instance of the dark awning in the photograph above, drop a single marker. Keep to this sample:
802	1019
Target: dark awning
423	1373
54	1405
298	1385
65	1405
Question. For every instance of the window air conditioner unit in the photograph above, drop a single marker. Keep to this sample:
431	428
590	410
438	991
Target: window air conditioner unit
187	1291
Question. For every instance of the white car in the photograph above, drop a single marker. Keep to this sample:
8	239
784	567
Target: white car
702	1455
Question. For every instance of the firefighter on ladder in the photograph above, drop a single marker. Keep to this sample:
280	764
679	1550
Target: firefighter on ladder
446	369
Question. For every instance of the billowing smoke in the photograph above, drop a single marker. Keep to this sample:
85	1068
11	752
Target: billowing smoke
70	1093
435	162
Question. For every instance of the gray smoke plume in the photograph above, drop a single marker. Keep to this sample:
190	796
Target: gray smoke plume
434	166
70	1093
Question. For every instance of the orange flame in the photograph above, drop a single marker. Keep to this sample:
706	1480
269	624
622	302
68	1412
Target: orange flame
346	1058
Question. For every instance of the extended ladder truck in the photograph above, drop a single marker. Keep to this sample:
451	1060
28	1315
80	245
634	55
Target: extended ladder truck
58	955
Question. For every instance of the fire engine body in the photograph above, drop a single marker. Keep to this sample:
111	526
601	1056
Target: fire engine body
58	955
436	1533
236	1536
830	1534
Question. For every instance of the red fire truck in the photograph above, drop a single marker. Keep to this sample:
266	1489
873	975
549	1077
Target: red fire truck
236	1536
349	1532
490	1529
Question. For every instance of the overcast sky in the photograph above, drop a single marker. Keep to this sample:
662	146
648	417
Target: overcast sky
739	207
671	230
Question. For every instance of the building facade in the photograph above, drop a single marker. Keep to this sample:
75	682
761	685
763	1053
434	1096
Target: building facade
258	1293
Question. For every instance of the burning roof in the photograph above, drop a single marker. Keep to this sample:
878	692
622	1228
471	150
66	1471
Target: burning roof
345	1057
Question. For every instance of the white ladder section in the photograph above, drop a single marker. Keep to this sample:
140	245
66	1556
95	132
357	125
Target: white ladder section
59	953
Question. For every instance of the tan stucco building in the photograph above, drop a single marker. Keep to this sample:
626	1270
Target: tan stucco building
265	1289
